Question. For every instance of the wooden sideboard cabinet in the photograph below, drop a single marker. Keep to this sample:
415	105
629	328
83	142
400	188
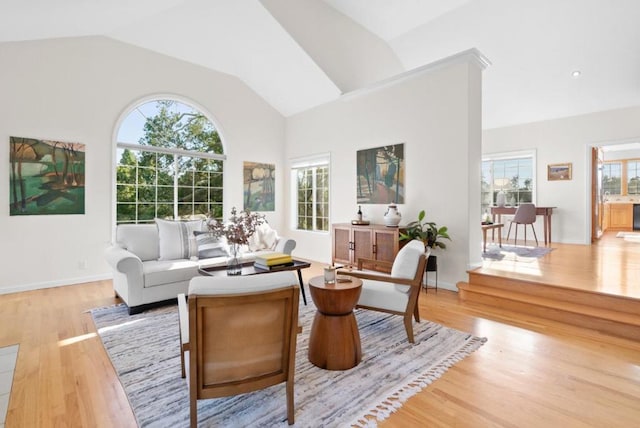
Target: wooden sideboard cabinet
351	242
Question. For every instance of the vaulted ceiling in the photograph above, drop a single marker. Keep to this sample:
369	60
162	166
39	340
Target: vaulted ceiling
297	54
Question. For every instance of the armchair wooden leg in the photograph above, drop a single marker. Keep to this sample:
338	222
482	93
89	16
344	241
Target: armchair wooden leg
184	374
409	327
290	407
416	313
194	412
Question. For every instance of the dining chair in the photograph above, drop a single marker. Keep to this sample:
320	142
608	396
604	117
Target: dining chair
238	335
525	215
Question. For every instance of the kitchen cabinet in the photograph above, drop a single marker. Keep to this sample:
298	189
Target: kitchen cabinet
376	241
618	216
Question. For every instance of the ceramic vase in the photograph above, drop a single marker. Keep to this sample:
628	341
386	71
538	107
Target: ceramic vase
392	217
501	199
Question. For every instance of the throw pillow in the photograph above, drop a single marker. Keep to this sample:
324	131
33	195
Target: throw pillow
176	238
209	246
264	238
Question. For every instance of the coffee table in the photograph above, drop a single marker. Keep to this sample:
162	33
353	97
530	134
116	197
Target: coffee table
334	341
249	269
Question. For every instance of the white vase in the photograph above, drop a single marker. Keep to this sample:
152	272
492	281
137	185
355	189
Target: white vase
392	217
501	199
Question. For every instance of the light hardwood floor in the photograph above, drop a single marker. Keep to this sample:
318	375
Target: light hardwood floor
530	373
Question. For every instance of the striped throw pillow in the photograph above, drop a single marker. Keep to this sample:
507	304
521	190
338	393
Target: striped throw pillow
209	246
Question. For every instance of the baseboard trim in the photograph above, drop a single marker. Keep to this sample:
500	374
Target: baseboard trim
56	283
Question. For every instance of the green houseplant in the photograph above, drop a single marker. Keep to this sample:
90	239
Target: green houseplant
431	235
426	231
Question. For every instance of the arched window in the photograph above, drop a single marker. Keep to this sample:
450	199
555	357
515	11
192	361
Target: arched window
169	164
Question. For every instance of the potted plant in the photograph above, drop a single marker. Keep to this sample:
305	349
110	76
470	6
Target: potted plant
429	233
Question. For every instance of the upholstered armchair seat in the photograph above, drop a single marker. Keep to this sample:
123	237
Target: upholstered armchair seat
398	292
378	294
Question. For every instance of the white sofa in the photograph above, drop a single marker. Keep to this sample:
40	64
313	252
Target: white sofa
144	277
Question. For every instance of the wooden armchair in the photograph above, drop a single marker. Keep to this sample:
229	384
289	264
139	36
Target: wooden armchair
398	292
238	334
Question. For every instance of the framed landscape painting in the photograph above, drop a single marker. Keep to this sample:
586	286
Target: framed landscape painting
46	177
380	175
259	186
559	171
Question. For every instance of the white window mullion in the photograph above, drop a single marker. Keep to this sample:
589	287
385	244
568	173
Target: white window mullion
175	186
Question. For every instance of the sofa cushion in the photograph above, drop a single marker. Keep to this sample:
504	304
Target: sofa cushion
176	238
140	239
168	271
209	246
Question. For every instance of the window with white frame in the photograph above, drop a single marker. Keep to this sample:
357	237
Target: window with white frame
169	164
612	178
310	193
512	173
633	177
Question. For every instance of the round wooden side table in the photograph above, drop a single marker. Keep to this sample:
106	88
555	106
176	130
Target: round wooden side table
334	341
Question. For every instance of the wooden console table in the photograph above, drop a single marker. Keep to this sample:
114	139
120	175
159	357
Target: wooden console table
545	212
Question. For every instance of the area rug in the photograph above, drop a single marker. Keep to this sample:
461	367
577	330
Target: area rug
629	236
515	253
144	350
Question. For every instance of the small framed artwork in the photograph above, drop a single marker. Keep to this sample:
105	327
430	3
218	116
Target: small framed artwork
559	171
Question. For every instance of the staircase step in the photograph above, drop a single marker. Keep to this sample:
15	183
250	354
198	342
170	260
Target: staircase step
559	294
598	318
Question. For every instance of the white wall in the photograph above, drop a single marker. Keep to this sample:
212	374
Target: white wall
76	90
566	140
436	113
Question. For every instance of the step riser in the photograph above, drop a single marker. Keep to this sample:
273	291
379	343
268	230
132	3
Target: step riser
596	300
581	320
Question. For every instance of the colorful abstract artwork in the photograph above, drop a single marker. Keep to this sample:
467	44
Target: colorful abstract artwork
46	177
259	189
380	175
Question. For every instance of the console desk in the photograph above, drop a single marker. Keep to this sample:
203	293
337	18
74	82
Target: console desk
545	212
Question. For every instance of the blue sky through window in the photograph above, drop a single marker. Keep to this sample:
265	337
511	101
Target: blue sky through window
132	127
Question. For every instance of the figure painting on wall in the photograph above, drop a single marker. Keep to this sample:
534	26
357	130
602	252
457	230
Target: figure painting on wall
46	177
259	190
380	175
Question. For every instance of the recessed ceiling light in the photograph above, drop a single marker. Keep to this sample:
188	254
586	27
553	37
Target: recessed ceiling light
576	73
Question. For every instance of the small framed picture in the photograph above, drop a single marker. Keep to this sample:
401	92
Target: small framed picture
559	171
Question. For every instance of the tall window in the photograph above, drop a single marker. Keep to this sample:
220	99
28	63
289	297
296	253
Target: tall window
170	164
311	193
633	177
512	173
612	178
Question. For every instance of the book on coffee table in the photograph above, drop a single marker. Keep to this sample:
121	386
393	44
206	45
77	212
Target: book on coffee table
271	267
273	259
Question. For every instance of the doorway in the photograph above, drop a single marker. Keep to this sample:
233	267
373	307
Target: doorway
626	152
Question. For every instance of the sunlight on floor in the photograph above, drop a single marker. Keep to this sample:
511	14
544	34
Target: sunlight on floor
76	339
124	324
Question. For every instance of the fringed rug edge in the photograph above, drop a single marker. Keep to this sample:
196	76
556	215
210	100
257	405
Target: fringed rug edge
386	407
